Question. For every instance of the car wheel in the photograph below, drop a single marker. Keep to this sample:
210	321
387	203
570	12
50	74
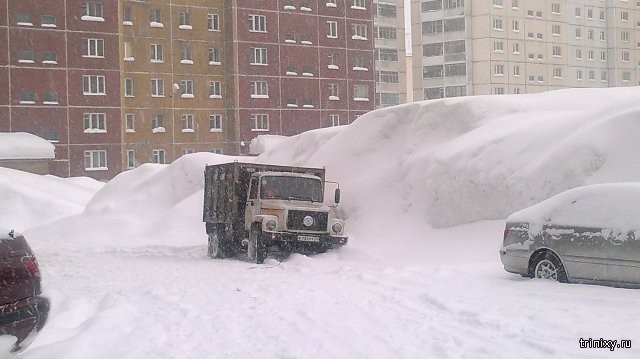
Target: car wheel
256	248
547	265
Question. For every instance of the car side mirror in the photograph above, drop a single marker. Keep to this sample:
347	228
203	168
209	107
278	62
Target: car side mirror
336	198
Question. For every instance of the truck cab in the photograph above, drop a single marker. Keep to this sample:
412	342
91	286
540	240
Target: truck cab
278	208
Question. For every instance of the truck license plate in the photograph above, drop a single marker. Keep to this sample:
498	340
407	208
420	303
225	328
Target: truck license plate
309	239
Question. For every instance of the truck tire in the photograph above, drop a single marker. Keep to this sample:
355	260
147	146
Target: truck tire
257	248
218	249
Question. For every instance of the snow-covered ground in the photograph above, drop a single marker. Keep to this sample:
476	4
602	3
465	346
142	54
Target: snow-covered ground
425	188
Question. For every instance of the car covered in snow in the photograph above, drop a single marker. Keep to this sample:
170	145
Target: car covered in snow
588	234
23	310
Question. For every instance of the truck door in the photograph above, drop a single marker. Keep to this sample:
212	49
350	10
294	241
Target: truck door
253	205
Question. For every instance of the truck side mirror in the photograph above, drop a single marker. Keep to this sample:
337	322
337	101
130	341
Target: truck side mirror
337	196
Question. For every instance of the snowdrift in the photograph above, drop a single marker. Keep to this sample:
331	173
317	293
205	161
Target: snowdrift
28	200
462	160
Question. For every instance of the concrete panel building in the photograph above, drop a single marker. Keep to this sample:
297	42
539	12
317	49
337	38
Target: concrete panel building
514	46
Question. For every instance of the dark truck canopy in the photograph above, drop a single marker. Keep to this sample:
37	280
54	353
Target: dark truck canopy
226	186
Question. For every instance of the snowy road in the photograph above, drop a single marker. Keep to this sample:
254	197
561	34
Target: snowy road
173	302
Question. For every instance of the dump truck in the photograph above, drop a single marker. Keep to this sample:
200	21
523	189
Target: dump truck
262	208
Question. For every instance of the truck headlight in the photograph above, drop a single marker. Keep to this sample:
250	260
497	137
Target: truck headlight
271	224
337	227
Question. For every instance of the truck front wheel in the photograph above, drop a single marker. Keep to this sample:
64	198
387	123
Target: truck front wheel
257	248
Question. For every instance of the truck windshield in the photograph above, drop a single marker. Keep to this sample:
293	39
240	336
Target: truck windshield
289	187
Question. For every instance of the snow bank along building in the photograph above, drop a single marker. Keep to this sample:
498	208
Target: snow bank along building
522	46
114	84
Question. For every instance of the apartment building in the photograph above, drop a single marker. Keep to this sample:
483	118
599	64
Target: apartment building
296	65
60	80
515	46
390	53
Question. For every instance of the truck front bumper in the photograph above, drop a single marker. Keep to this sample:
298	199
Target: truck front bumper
305	240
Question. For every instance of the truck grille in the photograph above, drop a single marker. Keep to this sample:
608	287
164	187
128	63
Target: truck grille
295	220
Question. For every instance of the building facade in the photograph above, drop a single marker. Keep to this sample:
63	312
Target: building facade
60	67
515	46
390	53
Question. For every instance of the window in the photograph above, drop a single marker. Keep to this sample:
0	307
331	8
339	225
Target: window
93	85
291	70
603	56
624	16
432	27
131	158
557	51
186	88
331	3
499	91
578	12
515	26
128	87
360	63
579	74
516	70
215	123
50	98
578	54
91	9
516	48
389	99
24	19
358	4
516	90
333	92
591	57
578	33
27	97
128	51
626	76
214	89
127	16
187	122
540	78
48	21
455	91
434	71
555	29
306	39
386	10
292	102
185	54
184	21
387	54
625	56
307	103
288	5
555	8
590	34
515	4
455	69
157	123
94	48
49	57
332	29
290	38
386	32
259	89
333	61
335	120
213	22
388	77
603	76
158	156
156	53
498	46
624	36
498	70
259	122
26	56
497	24
538	13
257	23
592	75
498	3
589	13
95	160
157	88
557	73
602	16
361	93
155	18
359	31
214	56
539	36
95	122
603	36
129	123
258	56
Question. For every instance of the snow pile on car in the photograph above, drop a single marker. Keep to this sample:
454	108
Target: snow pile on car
462	160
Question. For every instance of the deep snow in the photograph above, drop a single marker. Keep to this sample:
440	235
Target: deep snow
129	277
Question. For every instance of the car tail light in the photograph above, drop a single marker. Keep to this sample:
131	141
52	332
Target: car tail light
32	265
